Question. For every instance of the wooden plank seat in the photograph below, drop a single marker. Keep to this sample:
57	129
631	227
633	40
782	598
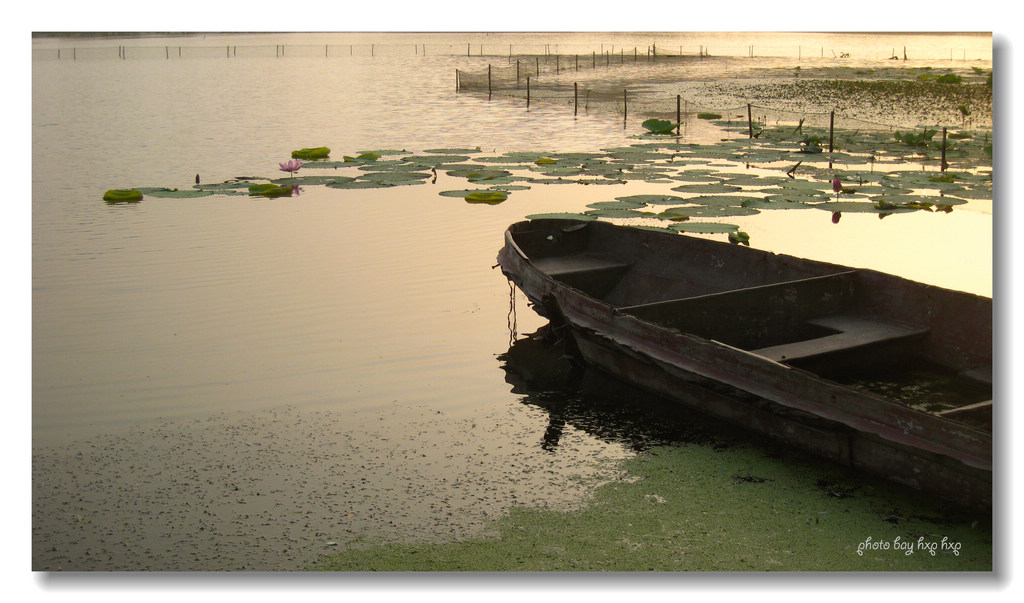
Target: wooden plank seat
852	332
593	274
559	266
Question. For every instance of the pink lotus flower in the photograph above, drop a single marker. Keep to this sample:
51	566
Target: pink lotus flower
291	166
837	187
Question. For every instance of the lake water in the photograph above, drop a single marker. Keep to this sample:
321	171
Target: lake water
292	361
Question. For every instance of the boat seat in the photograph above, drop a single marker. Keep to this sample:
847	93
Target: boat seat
851	333
592	274
560	265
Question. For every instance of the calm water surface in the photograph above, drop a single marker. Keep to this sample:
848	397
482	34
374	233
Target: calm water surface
367	321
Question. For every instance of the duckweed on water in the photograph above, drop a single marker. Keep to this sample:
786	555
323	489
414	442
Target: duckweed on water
678	508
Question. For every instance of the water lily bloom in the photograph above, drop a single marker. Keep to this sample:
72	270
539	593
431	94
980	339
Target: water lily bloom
837	187
291	166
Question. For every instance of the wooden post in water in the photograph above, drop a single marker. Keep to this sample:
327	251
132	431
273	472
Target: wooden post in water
517	73
625	110
488	81
942	166
575	98
750	123
593	59
527	92
831	129
679	99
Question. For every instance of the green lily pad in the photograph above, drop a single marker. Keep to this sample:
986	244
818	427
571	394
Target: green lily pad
312	180
312	154
659	126
704	227
488	197
363	184
617	205
739	238
434	160
707	188
707	211
362	157
652	199
174	193
560	216
399	177
453	151
618	213
121	195
270	190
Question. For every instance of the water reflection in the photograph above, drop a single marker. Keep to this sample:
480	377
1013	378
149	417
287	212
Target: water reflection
542	371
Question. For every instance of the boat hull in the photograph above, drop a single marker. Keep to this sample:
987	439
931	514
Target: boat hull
845	424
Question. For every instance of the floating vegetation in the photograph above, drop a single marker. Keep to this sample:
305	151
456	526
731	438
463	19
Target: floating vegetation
560	216
916	140
717	187
270	189
362	157
313	154
739	238
704	227
709	116
740	176
625	204
659	126
182	193
122	196
488	197
453	151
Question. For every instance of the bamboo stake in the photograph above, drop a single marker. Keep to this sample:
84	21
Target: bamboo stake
831	129
943	164
678	120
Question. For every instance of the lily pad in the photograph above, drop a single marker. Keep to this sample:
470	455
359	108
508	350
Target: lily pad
174	193
488	197
434	160
617	205
119	195
659	126
270	190
704	227
312	154
652	199
453	151
618	213
707	188
707	211
362	157
739	238
560	216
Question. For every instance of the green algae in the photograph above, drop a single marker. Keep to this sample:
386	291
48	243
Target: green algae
692	507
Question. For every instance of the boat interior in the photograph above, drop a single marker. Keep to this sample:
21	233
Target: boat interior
857	327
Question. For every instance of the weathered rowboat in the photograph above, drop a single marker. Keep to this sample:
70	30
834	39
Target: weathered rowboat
868	369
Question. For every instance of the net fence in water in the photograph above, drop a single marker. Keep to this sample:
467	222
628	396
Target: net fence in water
654	84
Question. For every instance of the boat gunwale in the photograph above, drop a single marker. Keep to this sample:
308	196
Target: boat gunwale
969	445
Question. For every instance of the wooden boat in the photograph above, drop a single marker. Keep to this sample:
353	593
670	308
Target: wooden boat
868	369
